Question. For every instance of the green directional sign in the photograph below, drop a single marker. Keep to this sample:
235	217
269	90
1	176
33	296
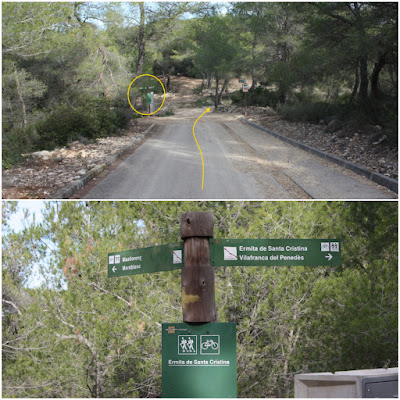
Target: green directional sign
275	252
148	259
199	360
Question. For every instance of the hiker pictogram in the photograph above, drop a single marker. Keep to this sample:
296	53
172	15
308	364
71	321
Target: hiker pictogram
187	344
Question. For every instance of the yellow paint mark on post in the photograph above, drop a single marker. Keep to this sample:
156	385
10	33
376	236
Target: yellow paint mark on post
188	298
201	154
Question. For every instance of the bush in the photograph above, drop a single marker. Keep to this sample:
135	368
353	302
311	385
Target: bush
307	111
66	124
166	113
204	102
91	119
259	97
16	142
94	118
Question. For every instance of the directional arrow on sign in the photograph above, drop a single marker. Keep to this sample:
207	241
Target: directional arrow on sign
229	253
145	260
275	252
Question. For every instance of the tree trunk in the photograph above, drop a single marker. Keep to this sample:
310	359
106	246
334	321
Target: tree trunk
165	79
363	92
209	79
216	90
375	89
21	98
356	85
140	42
202	82
224	86
393	80
253	69
282	94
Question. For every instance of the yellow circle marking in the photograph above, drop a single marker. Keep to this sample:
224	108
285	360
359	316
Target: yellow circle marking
129	88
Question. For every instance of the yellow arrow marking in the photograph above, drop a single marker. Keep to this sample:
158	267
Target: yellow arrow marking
201	154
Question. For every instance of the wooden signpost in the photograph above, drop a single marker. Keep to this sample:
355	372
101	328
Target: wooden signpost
198	278
202	351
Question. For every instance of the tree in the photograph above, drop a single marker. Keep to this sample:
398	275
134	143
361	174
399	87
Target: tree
19	94
55	57
147	22
349	29
215	51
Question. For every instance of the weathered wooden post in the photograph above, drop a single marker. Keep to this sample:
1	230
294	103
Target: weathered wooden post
198	278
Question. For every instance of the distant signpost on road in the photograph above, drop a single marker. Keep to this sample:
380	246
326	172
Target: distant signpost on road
245	89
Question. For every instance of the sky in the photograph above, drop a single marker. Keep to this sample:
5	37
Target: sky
35	207
17	223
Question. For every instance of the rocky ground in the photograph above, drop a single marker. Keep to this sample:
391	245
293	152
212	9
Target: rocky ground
44	173
367	146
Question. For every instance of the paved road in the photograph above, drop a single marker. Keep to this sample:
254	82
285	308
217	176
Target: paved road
240	163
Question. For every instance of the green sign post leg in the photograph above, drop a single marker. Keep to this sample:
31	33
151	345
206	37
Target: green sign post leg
198	278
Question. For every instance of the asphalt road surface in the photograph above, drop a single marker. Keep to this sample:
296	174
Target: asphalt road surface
240	162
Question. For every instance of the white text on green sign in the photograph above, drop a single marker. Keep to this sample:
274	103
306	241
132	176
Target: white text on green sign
145	260
199	360
275	252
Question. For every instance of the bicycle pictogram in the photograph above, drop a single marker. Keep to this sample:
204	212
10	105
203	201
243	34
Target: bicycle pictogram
209	343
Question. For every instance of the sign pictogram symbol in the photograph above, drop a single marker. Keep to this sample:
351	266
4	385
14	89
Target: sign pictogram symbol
209	344
230	253
187	344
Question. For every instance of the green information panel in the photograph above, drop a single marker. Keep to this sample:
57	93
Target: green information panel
275	252
148	259
199	360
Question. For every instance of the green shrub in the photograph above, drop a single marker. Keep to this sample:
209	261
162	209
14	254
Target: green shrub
166	113
94	118
207	101
110	116
16	142
88	119
307	111
260	97
66	124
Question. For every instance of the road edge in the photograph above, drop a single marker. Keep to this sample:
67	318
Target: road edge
72	188
390	183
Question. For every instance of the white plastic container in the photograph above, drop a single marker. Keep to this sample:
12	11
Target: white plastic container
370	383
